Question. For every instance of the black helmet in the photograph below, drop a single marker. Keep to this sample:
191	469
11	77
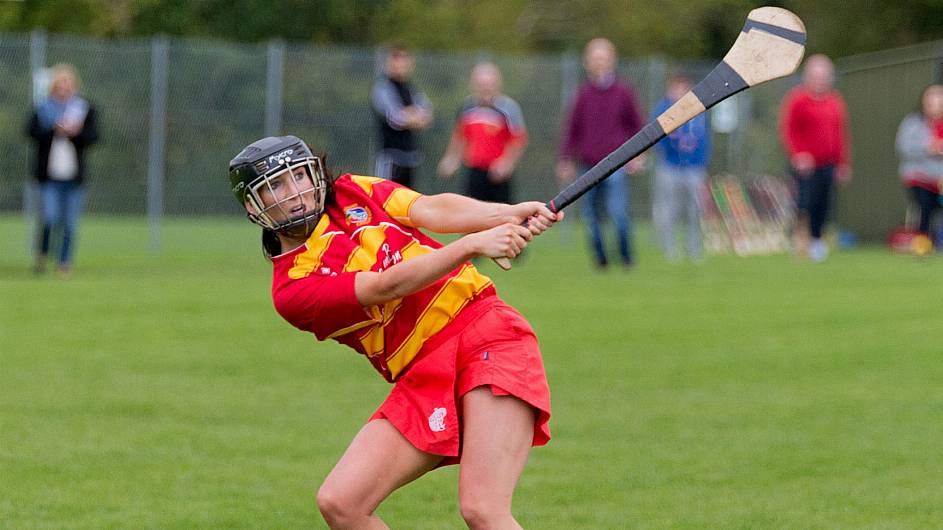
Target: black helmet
275	160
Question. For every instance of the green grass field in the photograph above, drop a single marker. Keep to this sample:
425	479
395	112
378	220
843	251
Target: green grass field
163	392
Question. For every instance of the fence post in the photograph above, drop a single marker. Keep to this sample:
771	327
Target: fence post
379	66
37	61
274	83
657	72
658	69
569	67
157	138
569	82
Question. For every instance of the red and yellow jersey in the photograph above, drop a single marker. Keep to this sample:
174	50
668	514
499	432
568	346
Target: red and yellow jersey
367	227
489	129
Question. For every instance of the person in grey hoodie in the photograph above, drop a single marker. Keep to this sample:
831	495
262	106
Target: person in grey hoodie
920	148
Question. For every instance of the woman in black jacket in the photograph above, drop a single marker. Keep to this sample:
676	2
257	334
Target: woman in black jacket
62	127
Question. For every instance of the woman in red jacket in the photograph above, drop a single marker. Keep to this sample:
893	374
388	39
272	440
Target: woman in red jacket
814	130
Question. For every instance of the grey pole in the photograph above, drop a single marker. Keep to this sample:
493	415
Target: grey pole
569	82
37	57
37	61
570	73
379	61
156	138
274	81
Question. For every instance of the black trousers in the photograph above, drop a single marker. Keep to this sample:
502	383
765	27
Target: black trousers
402	175
815	197
929	203
477	186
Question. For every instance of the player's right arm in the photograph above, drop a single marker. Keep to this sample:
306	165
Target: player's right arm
450	213
408	277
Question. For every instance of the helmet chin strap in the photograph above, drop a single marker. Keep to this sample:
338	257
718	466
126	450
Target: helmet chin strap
302	228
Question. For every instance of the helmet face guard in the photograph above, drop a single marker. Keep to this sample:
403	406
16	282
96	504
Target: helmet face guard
282	185
289	197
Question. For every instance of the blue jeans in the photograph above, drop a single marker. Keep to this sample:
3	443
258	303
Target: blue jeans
61	207
613	194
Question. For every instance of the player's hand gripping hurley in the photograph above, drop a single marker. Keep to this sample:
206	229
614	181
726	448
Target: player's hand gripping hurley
771	45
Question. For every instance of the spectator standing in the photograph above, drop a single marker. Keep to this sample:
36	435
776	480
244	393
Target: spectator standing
680	175
814	131
920	148
604	114
489	138
401	111
62	126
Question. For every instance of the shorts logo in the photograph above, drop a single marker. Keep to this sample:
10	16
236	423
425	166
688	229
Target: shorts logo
437	419
357	215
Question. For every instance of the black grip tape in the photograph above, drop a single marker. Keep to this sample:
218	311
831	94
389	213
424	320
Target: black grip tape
720	84
647	137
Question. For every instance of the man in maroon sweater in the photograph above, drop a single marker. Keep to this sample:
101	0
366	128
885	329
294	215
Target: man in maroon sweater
814	130
605	113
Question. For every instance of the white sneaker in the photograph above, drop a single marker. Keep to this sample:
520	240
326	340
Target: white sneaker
818	250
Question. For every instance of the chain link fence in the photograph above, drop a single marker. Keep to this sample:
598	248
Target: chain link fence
173	111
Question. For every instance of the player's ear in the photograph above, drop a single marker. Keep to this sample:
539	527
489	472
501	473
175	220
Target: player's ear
251	209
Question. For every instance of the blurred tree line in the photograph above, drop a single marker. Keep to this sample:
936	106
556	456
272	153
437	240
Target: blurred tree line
674	28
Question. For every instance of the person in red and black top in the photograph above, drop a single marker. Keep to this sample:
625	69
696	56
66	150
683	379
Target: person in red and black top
351	263
920	148
489	138
814	131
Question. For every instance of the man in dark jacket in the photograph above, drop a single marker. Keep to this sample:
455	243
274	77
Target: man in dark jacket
401	111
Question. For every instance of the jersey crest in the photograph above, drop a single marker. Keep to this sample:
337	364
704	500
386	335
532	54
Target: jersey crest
357	215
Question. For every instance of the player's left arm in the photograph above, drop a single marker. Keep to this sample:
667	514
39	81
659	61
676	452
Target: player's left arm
450	213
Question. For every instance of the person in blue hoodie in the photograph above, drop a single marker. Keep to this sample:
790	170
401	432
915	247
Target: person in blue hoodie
680	174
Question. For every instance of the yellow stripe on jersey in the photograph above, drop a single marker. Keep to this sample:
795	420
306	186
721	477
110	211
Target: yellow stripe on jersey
414	248
365	183
411	250
448	302
306	262
398	204
349	329
365	256
372	342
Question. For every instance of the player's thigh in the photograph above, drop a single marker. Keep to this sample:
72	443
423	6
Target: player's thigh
497	434
378	461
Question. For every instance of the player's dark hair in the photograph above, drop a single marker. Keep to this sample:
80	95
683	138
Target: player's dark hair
271	245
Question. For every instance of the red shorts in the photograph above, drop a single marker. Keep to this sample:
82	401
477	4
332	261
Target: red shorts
488	344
